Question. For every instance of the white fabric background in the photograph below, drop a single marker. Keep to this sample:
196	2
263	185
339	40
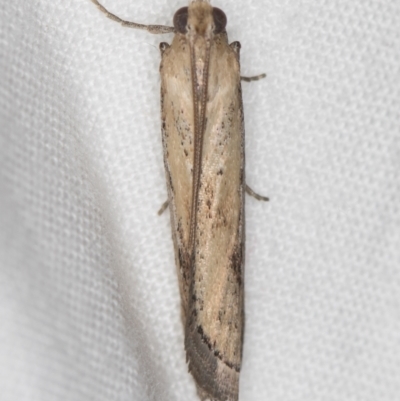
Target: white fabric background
89	296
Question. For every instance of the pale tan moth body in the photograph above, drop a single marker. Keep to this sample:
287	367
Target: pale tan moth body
203	141
202	110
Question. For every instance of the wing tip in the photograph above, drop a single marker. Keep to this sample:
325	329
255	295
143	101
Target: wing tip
215	380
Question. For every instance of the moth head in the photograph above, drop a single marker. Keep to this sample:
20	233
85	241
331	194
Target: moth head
200	18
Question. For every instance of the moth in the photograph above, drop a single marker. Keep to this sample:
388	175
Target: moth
203	141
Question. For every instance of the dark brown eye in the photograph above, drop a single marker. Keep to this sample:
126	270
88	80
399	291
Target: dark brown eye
219	20
180	19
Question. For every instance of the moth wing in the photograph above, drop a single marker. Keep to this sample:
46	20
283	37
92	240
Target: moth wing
212	288
214	331
177	137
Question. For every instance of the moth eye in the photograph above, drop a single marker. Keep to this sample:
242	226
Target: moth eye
180	19
219	20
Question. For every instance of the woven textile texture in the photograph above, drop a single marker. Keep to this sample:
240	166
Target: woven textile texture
89	305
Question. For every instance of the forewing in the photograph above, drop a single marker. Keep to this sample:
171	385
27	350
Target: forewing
214	332
177	137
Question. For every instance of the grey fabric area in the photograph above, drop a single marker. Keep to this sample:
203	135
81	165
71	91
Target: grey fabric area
90	306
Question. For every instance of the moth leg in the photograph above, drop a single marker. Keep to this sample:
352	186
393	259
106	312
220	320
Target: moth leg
163	207
255	194
156	29
254	78
163	46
